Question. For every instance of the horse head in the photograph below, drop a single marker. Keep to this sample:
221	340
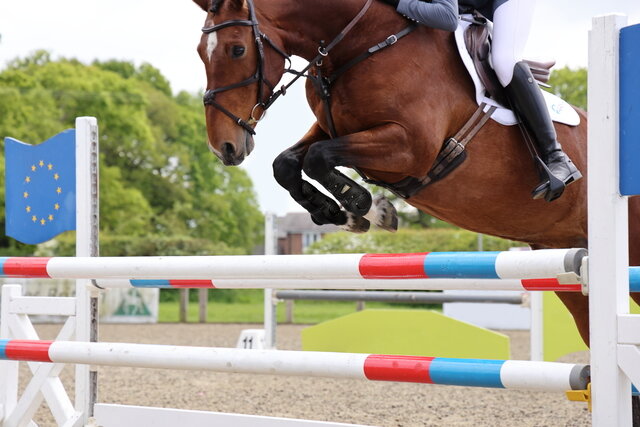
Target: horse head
239	74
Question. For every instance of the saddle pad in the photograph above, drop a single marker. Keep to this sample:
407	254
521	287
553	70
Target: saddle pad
559	110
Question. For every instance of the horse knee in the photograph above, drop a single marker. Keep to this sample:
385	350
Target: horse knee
315	164
286	169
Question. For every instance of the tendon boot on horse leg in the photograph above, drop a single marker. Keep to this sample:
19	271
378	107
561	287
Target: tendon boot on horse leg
287	170
354	198
557	169
325	210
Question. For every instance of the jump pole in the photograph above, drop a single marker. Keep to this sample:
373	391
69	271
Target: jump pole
509	374
394	297
463	265
337	284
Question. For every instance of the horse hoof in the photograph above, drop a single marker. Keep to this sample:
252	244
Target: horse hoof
383	214
356	224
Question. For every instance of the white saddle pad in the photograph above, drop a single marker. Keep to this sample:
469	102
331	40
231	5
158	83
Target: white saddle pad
559	110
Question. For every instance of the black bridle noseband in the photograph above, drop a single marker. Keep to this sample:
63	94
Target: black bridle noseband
258	77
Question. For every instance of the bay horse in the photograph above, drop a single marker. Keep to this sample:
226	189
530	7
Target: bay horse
390	114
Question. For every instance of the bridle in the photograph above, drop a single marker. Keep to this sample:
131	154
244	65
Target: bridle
258	77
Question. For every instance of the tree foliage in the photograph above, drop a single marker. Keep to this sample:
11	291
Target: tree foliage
408	240
570	85
158	179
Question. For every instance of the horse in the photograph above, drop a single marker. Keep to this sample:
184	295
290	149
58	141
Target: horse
390	114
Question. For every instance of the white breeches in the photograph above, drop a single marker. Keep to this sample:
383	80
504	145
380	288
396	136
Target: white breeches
511	25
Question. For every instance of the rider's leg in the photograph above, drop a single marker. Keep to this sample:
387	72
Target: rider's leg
512	21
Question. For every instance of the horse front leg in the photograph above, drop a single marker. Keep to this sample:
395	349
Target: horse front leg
287	170
374	149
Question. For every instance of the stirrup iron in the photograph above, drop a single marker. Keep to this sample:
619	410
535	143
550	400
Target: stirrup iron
551	187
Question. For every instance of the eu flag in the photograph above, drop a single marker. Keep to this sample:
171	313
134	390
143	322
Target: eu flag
40	188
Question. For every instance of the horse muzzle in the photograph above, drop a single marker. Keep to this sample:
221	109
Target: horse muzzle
234	154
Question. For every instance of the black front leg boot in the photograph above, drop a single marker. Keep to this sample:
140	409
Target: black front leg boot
323	210
555	166
352	196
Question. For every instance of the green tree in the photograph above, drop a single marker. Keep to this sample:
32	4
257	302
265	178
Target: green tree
158	178
570	85
407	241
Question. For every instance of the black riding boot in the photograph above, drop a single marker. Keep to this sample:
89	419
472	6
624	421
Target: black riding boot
528	101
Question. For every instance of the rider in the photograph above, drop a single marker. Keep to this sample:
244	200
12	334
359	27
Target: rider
511	24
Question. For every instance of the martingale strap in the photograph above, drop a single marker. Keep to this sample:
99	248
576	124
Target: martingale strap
323	83
389	41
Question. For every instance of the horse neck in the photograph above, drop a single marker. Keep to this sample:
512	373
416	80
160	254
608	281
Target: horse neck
302	24
299	26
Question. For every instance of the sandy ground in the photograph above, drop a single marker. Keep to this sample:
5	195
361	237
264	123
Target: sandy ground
338	400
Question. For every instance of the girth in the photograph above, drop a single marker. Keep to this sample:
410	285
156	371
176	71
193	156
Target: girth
451	155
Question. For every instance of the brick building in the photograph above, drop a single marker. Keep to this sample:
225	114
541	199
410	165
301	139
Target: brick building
296	231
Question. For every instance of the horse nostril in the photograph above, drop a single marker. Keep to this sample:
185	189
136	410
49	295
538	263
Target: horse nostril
228	149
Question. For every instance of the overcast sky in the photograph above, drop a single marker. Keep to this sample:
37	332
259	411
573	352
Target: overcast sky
165	34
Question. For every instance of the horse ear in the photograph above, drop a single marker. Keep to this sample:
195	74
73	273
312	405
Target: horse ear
204	4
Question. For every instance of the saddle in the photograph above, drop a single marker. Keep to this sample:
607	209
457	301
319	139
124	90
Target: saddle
477	39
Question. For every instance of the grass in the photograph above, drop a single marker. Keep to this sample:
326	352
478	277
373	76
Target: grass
305	312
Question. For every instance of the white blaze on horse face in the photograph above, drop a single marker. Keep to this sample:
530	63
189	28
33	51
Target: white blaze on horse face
212	41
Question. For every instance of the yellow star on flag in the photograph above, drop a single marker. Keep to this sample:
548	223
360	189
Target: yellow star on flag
43	221
56	206
28	209
33	218
56	176
58	190
50	217
49	166
26	195
41	163
33	167
27	179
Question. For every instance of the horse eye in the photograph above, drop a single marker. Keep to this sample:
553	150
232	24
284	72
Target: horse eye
237	51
